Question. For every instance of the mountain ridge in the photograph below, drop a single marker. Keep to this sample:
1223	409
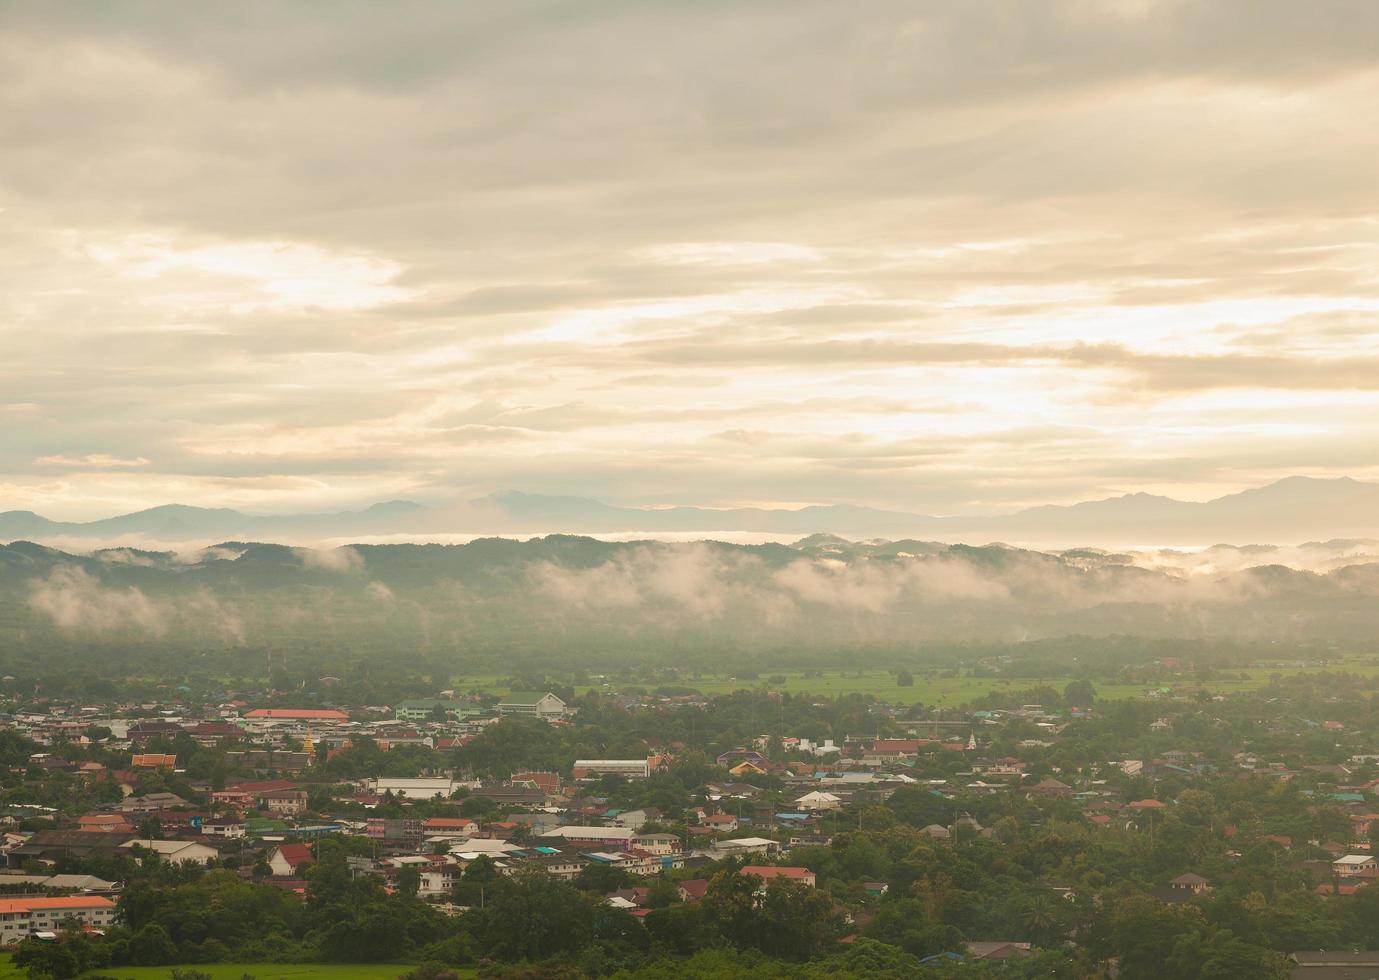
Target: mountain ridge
1292	509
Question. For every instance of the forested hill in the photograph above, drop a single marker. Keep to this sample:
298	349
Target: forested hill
580	597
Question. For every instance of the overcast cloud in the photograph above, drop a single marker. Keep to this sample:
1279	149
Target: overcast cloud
939	257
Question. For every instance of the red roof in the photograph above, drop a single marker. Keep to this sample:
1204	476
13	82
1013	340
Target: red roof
68	902
436	823
296	854
1146	805
695	889
898	744
770	871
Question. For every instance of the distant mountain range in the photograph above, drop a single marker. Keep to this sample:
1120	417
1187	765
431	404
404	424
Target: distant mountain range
552	598
1290	510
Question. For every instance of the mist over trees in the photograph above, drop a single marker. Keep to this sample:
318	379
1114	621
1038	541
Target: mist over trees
580	601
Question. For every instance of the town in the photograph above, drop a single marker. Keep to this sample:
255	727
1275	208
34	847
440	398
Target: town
1036	832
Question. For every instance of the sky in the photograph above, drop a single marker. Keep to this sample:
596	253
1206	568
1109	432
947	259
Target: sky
939	257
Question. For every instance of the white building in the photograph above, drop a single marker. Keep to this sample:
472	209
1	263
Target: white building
22	916
533	705
628	768
418	788
1354	864
176	851
819	800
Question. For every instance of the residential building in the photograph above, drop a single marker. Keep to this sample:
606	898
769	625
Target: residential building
288	802
175	851
1352	865
285	859
424	709
20	917
620	838
534	705
415	788
627	768
769	873
283	716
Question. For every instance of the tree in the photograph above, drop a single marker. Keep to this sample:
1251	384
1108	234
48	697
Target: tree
408	880
1079	693
152	946
904	679
533	916
150	828
1143	930
602	878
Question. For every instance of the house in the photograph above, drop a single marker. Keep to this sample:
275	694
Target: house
457	828
620	838
659	844
1051	789
153	760
768	873
693	890
739	846
733	756
175	851
414	788
84	884
547	782
269	760
1352	865
627	768
1344	965
151	803
21	916
746	768
228	827
250	794
1190	882
636	819
532	704
53	845
282	716
818	801
289	802
285	859
510	796
998	950
721	823
107	823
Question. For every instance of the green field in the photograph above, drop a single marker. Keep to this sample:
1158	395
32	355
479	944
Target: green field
234	971
947	691
268	971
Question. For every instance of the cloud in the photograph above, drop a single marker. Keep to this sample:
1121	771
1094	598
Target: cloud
345	560
922	228
94	460
79	604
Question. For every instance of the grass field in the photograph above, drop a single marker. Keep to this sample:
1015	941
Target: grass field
234	971
948	691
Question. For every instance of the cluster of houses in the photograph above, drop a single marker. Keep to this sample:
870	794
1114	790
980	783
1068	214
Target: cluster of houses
263	822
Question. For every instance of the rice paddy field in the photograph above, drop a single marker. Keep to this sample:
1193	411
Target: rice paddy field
237	971
948	691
